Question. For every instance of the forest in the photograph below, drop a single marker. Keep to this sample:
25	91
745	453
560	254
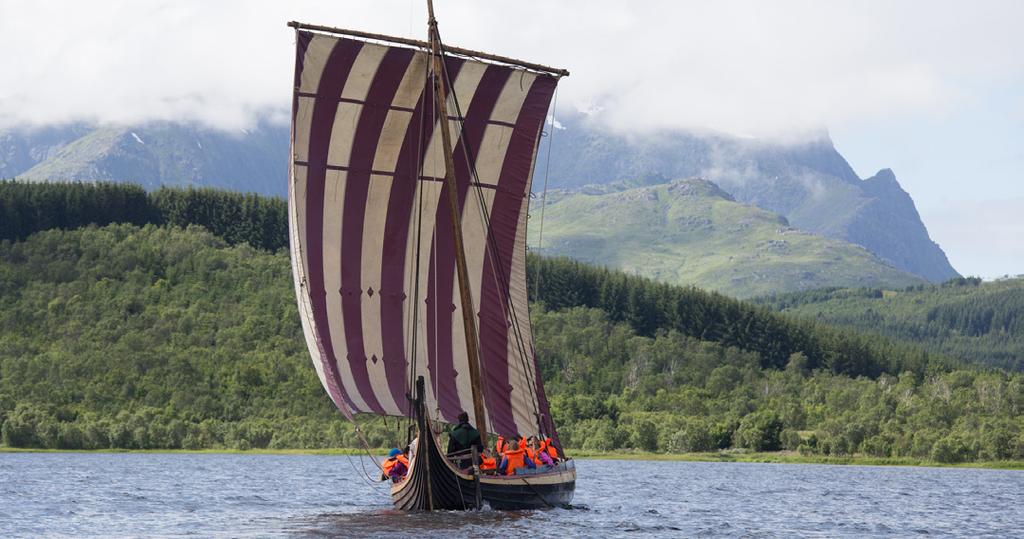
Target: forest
161	333
963	318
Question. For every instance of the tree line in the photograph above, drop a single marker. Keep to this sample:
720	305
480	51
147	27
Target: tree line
650	307
29	207
161	337
168	335
963	318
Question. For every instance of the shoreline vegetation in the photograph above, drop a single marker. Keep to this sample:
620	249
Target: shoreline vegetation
181	331
762	457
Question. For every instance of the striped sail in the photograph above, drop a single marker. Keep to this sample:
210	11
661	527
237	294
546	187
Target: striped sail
371	233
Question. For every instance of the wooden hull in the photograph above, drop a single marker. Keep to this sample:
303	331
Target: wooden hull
433	483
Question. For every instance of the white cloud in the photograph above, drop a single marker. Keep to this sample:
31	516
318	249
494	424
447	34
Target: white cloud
735	66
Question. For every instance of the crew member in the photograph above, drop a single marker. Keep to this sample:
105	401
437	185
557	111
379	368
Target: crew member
395	466
513	459
499	446
463	437
534	452
488	464
547	447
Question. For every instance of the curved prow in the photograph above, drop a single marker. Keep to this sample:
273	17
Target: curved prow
433	482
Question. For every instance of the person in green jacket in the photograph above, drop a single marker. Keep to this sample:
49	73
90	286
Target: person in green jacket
462	437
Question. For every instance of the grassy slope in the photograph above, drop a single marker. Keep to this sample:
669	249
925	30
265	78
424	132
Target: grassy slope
691	232
910	315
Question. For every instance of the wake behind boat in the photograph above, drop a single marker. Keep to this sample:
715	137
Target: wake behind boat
408	248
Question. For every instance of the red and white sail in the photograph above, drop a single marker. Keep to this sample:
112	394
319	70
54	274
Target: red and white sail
371	233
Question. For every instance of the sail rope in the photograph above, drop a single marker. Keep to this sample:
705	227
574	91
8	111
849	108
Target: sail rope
497	271
366	445
491	246
544	195
508	306
437	300
363	476
414	305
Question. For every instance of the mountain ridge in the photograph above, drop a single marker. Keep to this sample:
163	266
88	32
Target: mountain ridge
809	183
691	232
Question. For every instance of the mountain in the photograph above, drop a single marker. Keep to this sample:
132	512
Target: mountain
979	322
21	149
691	232
153	154
807	182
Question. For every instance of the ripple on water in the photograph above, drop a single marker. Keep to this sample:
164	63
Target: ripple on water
111	495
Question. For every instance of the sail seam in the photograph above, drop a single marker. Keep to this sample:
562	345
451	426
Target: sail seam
496	187
371	104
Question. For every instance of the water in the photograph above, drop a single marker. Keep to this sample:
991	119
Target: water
177	495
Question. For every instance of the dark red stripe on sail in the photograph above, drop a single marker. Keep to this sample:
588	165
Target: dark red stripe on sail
504	224
396	234
364	148
440	350
336	71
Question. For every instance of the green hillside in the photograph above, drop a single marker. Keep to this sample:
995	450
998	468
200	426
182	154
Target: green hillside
807	181
155	337
962	318
165	336
690	232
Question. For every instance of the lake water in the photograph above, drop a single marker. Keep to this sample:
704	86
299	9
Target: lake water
177	495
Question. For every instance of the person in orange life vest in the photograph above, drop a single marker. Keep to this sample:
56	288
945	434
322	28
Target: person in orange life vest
513	459
545	446
499	446
395	466
534	452
488	464
522	441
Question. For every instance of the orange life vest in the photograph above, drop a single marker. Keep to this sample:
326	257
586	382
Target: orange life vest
499	446
522	443
533	456
390	463
488	463
516	459
550	449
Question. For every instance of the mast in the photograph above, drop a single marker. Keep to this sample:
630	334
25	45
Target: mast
469	322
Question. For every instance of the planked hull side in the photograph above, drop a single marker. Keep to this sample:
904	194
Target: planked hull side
433	482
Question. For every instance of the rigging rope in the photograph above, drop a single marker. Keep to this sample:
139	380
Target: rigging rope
498	272
508	307
414	305
544	195
433	255
364	477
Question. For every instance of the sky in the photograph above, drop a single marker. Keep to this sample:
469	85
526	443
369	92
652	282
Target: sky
932	89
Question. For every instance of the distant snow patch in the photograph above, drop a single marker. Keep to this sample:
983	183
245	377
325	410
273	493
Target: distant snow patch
137	139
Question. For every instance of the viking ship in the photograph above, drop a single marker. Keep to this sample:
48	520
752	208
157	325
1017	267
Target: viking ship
409	186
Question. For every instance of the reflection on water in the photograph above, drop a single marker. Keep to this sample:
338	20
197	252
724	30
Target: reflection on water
152	495
439	524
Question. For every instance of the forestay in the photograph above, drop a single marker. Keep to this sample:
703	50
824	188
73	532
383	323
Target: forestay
371	234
